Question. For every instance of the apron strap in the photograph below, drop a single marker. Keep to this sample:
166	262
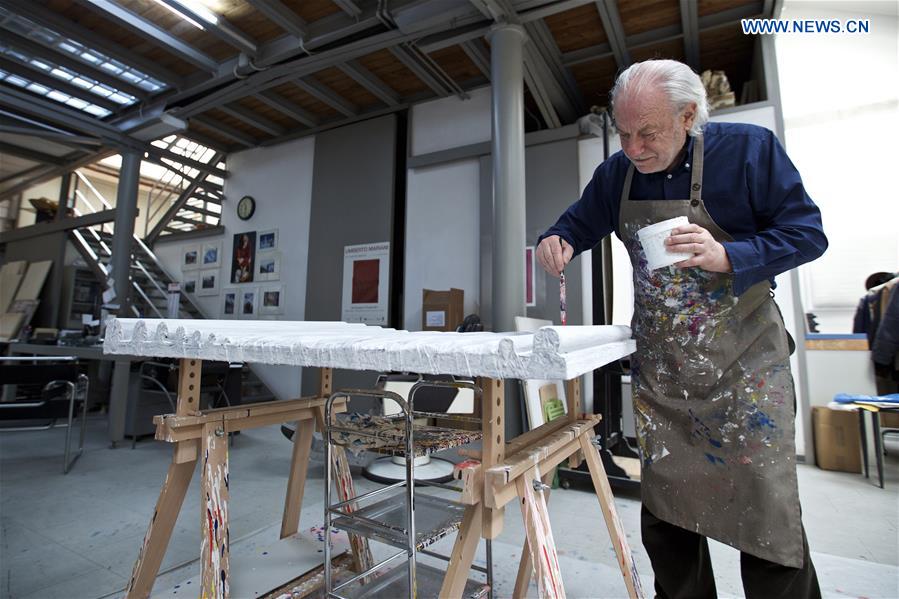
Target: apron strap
696	179
626	190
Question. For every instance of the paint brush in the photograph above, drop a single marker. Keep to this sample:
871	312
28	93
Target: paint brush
563	307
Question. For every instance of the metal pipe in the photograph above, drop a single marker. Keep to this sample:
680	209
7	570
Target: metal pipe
507	69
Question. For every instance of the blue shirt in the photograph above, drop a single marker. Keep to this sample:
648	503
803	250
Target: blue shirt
750	188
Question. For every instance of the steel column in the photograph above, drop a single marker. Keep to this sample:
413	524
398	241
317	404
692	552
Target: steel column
126	211
506	64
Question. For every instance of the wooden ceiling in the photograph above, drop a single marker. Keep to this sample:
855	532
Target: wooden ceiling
272	70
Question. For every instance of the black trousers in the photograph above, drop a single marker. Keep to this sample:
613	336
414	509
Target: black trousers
683	568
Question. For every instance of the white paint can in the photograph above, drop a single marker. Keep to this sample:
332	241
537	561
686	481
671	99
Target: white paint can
653	237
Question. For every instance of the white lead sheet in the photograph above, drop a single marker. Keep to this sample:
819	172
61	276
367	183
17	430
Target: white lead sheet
550	353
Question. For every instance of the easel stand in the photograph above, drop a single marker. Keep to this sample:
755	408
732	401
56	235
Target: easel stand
192	430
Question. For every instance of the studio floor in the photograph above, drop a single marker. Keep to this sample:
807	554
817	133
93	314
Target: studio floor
77	536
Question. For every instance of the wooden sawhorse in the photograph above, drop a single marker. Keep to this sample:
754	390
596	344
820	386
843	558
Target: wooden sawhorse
204	434
522	469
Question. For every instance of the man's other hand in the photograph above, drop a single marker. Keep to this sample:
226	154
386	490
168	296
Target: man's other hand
708	254
554	253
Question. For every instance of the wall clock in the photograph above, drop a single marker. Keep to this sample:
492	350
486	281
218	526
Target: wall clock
246	207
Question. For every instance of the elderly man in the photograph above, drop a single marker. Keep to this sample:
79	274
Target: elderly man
712	389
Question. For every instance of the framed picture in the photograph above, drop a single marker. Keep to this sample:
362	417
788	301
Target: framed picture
189	285
247	298
243	259
268	240
208	282
268	266
229	303
190	257
271	300
211	256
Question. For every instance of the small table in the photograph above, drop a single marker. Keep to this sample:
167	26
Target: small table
875	411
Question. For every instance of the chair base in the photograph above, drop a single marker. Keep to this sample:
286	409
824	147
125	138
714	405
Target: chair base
386	471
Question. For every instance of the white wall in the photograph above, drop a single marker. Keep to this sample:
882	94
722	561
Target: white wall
840	98
442	235
451	122
280	179
443	203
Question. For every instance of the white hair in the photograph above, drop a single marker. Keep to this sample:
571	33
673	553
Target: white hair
677	80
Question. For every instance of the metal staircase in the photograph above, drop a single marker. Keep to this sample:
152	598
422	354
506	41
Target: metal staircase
149	278
189	194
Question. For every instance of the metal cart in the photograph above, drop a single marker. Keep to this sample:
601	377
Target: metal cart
396	514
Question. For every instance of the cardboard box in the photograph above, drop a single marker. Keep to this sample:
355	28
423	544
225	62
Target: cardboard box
442	310
837	440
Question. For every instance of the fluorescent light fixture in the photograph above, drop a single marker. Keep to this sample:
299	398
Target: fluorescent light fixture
194	7
200	10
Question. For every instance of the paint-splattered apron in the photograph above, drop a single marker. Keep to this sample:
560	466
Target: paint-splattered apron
713	394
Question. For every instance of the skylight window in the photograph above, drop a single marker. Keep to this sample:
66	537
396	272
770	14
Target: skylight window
47	37
54	94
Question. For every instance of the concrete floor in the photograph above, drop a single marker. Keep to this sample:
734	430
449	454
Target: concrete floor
77	536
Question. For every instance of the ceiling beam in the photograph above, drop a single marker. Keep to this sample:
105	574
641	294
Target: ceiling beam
41	77
29	154
371	82
285	72
286	107
402	54
167	157
81	67
349	7
689	18
45	173
65	27
152	32
21	125
478	53
567	97
282	16
221	29
206	140
253	119
226	130
664	34
611	24
324	94
44	110
539	94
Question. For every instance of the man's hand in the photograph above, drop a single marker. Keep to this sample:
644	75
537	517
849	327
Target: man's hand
709	254
554	253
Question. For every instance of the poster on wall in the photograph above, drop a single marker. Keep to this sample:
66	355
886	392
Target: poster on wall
366	271
243	258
